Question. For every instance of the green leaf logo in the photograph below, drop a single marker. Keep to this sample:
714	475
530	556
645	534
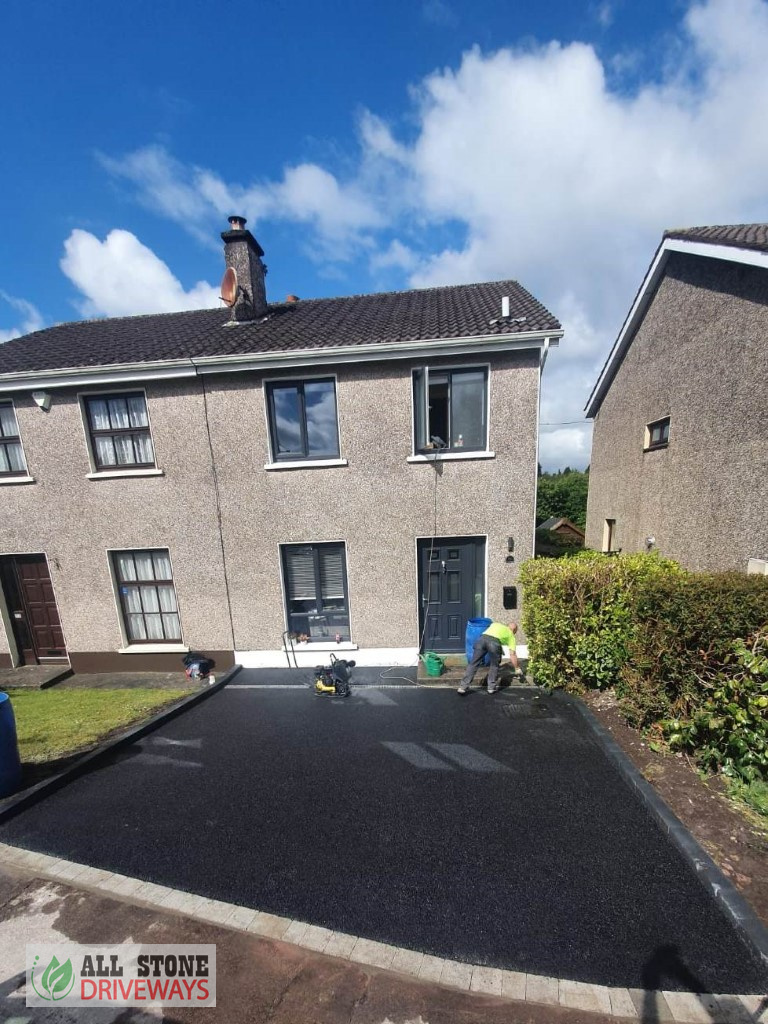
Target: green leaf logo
57	980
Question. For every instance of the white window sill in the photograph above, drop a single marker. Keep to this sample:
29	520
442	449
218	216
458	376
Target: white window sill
321	647
153	649
111	474
450	456
307	464
17	479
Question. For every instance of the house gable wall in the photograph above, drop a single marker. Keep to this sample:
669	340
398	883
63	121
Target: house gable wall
698	357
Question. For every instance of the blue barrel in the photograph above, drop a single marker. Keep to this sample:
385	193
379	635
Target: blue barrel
10	765
475	627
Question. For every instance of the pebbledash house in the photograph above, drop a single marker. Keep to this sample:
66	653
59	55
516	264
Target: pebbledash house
359	472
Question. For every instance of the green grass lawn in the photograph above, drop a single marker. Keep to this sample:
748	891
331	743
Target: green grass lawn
55	723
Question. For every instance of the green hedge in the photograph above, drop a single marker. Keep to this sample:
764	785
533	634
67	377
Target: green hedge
675	645
686	628
579	615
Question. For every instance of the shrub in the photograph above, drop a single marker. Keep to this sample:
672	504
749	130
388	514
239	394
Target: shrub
685	629
729	731
579	615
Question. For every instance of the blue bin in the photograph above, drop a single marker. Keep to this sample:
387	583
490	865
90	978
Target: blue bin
10	765
475	627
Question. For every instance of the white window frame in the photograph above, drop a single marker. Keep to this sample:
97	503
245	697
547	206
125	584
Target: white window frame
16	478
117	471
127	647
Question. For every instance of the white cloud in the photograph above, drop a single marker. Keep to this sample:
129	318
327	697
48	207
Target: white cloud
31	318
537	167
195	197
121	277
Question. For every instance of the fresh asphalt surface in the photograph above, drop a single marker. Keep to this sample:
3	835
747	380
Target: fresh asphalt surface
486	829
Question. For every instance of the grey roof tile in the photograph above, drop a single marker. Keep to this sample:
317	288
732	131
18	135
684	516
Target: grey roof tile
741	236
429	314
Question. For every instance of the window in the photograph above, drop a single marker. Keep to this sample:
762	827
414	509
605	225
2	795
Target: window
12	461
147	596
302	420
657	434
119	431
450	409
315	579
609	535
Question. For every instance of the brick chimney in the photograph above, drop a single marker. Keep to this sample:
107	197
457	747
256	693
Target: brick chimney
243	253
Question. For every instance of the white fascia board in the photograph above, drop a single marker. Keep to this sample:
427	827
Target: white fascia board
174	368
374	353
79	376
731	253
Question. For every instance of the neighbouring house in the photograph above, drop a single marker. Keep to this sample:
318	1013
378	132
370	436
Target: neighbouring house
680	446
563	528
357	471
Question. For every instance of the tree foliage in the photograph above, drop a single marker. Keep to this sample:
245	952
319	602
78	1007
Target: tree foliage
563	495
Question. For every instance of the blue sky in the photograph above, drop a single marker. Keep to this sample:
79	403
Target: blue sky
373	147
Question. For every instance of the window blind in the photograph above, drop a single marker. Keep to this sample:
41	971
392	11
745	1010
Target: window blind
301	574
331	572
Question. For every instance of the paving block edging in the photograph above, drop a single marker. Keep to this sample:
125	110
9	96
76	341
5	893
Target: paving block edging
13	805
623	1003
728	898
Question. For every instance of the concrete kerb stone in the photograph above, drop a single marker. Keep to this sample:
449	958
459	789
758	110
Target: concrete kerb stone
730	901
625	1004
15	804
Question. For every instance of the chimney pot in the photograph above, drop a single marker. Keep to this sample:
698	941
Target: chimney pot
237	223
291	299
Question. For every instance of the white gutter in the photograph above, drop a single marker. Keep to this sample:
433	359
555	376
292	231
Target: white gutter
175	368
730	253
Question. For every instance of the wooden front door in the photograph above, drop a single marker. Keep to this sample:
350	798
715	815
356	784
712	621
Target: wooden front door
451	587
32	606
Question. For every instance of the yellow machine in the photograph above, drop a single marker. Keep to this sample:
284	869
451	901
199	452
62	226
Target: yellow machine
334	678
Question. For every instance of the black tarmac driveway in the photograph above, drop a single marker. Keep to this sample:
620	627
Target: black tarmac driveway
487	829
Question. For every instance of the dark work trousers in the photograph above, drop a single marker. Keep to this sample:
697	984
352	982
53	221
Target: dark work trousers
484	645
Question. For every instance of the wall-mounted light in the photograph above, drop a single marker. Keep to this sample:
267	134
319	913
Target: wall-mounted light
510	549
650	542
43	399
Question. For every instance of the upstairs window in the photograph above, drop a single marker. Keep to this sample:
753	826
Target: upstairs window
147	596
315	583
657	434
119	430
450	409
302	420
12	462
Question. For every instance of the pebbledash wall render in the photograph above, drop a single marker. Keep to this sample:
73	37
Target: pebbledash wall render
225	553
697	355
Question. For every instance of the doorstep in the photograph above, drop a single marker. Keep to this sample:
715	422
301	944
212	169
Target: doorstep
33	677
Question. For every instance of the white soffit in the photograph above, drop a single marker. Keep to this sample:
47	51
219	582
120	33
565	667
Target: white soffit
731	253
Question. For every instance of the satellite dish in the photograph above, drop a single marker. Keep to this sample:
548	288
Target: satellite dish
229	286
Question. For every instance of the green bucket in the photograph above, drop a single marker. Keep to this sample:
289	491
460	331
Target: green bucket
433	663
